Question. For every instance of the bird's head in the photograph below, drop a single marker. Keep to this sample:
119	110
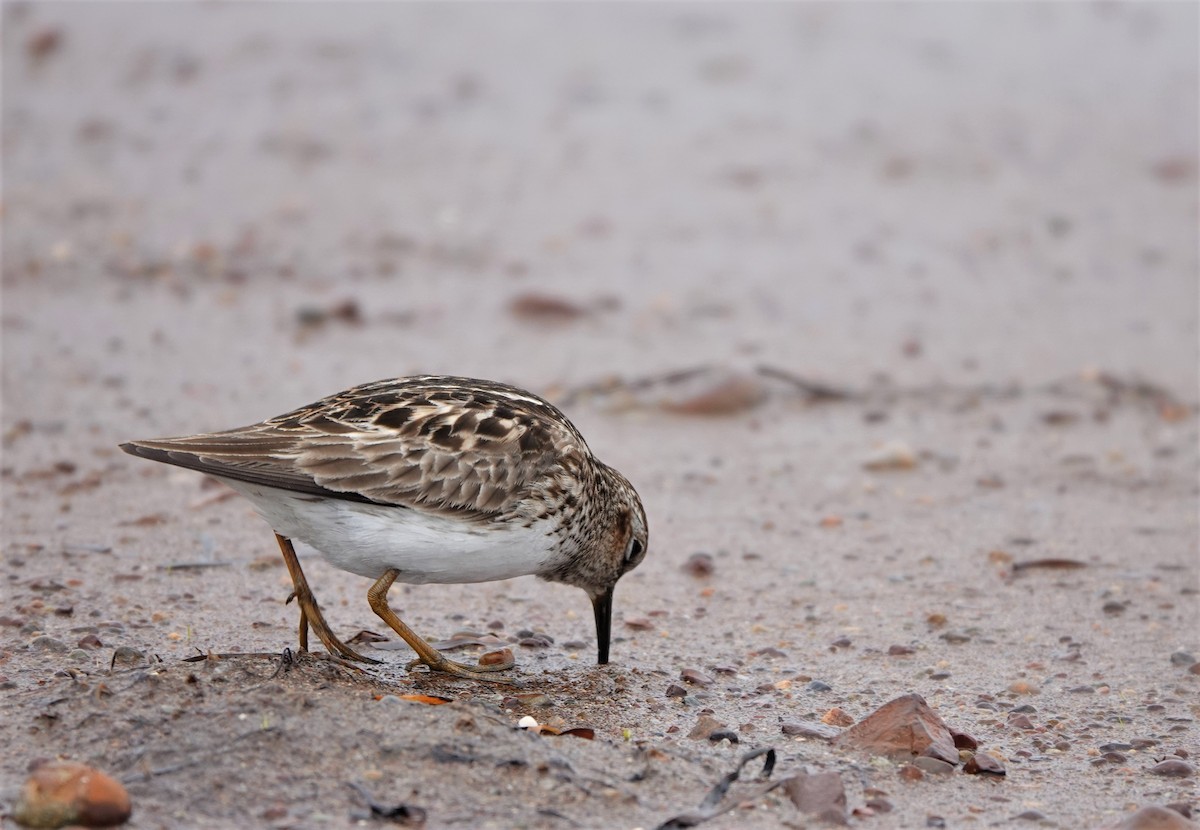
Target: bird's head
625	541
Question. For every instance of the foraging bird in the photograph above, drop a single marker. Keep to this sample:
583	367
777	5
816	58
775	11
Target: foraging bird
429	479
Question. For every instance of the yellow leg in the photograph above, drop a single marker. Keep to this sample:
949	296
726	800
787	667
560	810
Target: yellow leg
427	654
310	612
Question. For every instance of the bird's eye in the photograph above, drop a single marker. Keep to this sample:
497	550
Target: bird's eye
635	550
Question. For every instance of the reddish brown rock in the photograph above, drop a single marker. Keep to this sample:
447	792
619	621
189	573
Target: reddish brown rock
821	795
499	657
962	740
545	308
1173	768
903	729
982	763
728	394
1154	818
695	677
837	717
64	792
700	564
705	727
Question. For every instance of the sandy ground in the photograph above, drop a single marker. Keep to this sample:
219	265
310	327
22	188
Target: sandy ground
981	220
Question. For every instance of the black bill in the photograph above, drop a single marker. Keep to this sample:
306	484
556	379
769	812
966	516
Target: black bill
602	605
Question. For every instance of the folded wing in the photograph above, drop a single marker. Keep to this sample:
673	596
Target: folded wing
471	458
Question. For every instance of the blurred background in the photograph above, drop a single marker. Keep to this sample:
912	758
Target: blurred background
968	230
256	204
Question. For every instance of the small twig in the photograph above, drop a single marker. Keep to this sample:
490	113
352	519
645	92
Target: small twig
546	811
208	655
193	566
285	663
815	390
614	385
710	807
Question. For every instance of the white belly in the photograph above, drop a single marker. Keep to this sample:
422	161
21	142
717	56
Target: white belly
370	539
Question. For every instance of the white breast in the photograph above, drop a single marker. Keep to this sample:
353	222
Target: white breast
370	539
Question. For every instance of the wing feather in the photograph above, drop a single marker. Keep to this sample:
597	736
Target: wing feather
448	445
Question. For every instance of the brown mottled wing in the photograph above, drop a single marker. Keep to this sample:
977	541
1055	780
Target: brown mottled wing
464	451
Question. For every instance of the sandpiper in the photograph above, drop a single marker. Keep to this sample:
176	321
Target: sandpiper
429	479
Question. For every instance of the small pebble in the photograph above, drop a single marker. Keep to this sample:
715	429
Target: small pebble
770	652
1182	658
499	657
49	644
1154	817
126	656
537	641
544	308
705	726
700	564
722	395
1172	768
963	741
837	717
675	690
894	455
61	793
819	686
1031	815
811	729
934	766
982	763
695	677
